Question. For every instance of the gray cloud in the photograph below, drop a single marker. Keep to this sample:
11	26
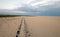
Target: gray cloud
36	7
50	9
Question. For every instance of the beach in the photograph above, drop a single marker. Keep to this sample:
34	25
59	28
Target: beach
37	26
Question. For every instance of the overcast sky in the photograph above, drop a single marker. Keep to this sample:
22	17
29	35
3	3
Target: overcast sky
30	6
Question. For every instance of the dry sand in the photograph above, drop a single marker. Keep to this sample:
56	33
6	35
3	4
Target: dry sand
38	26
8	26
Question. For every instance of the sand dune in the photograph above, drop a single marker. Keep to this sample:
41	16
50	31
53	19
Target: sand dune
38	26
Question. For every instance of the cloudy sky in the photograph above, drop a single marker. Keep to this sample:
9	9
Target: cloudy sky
32	7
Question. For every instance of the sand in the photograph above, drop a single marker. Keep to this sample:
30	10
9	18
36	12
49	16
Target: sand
38	26
8	26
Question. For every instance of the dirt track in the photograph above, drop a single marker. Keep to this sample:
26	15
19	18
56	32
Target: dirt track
39	26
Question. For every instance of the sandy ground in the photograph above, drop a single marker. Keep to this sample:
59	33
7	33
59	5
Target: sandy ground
8	26
38	26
